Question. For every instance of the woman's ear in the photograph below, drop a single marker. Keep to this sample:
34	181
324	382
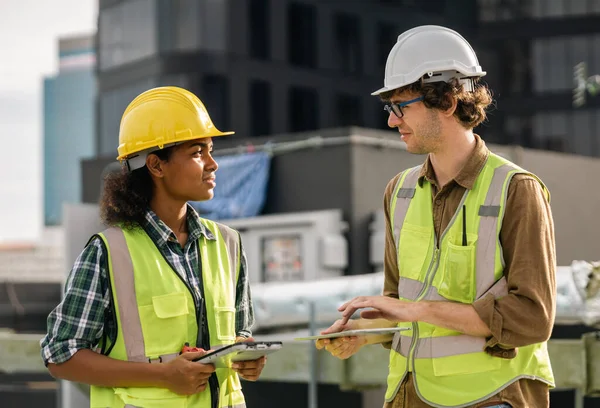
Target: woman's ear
154	165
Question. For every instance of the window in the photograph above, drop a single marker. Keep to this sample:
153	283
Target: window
302	35
387	36
347	43
348	110
259	23
127	32
215	96
260	108
303	109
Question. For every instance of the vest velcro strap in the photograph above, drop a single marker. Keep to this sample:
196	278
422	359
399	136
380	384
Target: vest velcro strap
406	193
489	210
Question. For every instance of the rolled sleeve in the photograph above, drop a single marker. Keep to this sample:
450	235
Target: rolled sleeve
78	320
526	314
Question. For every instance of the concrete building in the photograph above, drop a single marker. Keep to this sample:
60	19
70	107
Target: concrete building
68	124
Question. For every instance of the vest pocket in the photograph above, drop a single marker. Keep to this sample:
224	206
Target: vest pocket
165	323
413	248
225	323
458	280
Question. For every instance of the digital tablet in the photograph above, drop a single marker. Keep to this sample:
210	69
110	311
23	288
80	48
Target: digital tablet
244	351
352	333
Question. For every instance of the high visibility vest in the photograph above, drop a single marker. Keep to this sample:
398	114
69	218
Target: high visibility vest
156	314
451	369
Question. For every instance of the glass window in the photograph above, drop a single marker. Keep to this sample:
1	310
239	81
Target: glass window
303	109
215	95
302	35
260	108
581	135
260	29
347	48
348	110
127	32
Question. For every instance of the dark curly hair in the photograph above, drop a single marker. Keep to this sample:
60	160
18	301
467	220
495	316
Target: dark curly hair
470	108
126	195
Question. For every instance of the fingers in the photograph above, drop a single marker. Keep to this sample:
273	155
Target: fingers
344	347
250	370
192	355
320	344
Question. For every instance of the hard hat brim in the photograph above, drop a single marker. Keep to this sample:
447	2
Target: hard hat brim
151	144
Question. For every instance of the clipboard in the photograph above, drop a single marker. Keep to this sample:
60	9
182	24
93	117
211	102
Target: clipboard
352	333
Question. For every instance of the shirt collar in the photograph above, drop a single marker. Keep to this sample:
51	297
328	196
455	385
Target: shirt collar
467	176
161	233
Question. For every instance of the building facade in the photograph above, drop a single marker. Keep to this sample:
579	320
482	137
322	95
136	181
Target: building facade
261	66
530	49
68	124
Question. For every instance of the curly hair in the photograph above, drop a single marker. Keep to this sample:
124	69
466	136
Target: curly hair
126	195
470	108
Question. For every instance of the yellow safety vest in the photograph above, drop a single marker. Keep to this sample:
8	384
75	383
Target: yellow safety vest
156	314
451	369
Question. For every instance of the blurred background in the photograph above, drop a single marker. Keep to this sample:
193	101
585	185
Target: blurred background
304	175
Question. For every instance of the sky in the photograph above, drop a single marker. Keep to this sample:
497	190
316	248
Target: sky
29	32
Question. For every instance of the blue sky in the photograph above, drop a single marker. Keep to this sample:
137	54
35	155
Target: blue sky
29	31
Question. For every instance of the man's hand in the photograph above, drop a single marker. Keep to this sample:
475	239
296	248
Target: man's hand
249	370
186	377
384	307
341	347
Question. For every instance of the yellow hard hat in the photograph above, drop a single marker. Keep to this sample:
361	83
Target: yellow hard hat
161	117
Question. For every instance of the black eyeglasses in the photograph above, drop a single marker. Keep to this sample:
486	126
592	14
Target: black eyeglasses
396	108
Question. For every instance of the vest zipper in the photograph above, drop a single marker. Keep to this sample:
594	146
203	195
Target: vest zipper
203	338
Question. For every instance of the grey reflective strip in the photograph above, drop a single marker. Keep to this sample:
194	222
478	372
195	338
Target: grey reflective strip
235	406
435	347
124	287
402	203
499	289
232	241
488	231
401	344
489	211
409	288
406	193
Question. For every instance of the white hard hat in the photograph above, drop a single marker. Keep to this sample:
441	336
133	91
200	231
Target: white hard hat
434	52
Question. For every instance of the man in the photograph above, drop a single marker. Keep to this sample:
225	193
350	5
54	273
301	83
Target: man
469	252
160	277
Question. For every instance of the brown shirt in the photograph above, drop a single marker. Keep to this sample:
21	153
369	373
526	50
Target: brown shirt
526	315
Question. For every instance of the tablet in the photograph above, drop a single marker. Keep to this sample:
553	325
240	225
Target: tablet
244	351
352	333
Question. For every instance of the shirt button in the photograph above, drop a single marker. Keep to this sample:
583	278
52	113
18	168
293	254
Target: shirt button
505	354
438	201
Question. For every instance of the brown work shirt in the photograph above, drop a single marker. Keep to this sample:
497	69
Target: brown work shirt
526	315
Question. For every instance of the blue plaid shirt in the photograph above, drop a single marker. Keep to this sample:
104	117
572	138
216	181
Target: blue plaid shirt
82	317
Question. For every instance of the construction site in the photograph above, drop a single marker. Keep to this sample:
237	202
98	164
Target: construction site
307	188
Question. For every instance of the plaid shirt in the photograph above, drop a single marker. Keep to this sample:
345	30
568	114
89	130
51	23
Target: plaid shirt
80	320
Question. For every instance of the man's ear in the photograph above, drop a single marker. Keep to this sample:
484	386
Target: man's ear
450	111
154	165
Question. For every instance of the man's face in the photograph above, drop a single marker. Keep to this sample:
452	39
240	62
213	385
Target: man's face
420	127
189	174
